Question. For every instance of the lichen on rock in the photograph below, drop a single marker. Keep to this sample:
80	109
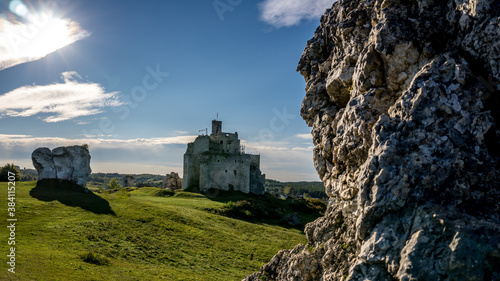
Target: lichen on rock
404	103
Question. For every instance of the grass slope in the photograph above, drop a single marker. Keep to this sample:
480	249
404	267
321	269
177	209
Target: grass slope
138	236
314	189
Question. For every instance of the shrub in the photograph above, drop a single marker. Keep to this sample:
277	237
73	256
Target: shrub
114	185
4	172
93	258
310	206
269	209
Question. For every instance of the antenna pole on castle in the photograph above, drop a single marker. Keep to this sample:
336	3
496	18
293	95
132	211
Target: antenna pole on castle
217	116
206	131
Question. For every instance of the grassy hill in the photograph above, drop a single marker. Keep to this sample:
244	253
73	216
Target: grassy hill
132	235
314	189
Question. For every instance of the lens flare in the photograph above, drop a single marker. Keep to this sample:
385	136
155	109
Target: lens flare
37	35
18	8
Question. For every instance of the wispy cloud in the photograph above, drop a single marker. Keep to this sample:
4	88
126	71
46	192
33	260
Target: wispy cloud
146	143
286	160
140	155
287	163
304	136
62	101
282	13
34	35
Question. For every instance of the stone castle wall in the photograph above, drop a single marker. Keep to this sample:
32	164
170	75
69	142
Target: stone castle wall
226	173
216	161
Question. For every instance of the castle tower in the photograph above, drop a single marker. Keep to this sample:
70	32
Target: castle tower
216	128
216	161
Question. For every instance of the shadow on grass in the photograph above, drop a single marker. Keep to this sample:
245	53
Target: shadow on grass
267	209
70	194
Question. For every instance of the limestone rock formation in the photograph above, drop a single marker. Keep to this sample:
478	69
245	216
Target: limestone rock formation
403	100
172	181
128	181
70	163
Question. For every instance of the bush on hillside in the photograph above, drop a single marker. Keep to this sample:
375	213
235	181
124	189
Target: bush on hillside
93	258
270	209
310	206
114	185
4	173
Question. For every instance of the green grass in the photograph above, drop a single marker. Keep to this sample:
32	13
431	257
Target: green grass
136	235
268	209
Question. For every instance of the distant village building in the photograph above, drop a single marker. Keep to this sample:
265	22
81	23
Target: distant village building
218	161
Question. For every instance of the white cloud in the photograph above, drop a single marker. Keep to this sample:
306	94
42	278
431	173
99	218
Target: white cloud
280	13
52	142
286	160
132	156
140	155
37	35
134	168
304	136
182	132
68	76
62	101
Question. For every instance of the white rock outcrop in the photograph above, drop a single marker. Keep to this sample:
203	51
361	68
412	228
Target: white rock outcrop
172	181
70	163
128	181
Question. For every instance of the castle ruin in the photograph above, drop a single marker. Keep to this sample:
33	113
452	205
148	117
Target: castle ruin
218	161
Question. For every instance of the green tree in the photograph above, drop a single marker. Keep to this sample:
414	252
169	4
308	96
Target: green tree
287	190
113	184
4	172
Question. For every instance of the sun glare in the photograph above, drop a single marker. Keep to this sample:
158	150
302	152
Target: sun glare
55	34
33	35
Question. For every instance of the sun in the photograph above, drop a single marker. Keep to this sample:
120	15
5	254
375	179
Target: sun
38	34
48	36
28	35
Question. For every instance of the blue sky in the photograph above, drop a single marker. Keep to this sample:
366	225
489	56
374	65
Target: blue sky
138	80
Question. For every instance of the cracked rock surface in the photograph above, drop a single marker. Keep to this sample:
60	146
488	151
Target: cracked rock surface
70	163
403	98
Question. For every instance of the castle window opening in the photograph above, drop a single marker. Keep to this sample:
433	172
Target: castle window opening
235	172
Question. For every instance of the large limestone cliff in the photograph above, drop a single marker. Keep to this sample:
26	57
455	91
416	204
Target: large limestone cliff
403	101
